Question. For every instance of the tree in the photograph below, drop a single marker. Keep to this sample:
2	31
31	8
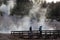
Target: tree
54	12
44	5
0	2
1	13
21	8
5	1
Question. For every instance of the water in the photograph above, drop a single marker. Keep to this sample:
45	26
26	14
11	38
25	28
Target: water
13	23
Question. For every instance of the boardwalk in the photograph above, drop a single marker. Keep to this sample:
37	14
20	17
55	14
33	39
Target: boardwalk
36	35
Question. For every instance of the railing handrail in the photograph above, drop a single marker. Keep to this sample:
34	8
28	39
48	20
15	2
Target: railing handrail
43	31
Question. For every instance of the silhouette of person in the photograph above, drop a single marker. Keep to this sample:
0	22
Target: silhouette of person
30	29
40	30
30	32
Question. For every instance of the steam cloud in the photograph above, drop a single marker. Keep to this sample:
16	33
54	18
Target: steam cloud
12	23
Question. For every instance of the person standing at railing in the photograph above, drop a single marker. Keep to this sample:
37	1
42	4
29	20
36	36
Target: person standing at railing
30	32
40	30
30	29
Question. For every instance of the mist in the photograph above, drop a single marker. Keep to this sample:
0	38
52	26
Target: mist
13	23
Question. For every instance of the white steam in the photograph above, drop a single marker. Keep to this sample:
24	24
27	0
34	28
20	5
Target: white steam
12	23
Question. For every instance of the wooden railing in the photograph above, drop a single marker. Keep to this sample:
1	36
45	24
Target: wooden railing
36	34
